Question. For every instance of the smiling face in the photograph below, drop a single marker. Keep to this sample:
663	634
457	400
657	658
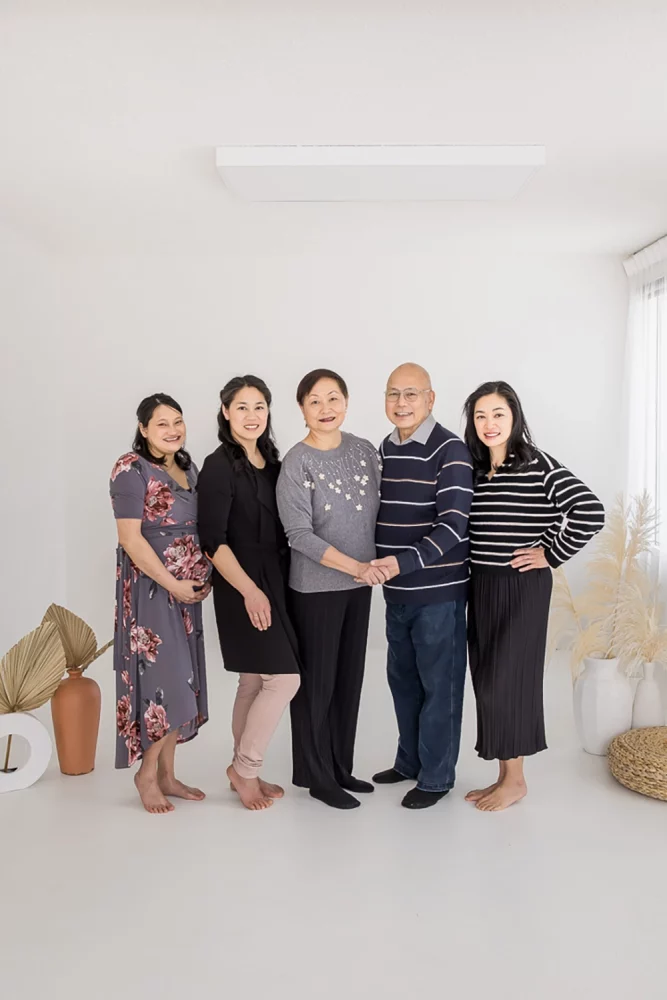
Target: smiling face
493	421
247	414
409	398
324	407
165	431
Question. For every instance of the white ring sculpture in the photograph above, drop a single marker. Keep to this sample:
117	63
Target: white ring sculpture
31	729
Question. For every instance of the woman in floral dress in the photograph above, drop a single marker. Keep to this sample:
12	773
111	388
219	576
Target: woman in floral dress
161	578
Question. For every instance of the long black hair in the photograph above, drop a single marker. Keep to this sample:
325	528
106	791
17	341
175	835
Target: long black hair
145	411
265	442
520	446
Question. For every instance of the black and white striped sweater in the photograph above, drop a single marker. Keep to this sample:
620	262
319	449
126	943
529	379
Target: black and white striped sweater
543	505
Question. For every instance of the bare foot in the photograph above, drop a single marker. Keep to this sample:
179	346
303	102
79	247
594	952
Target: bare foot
179	790
266	788
249	790
480	793
151	793
506	794
273	791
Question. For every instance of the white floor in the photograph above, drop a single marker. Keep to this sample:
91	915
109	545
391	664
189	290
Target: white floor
563	896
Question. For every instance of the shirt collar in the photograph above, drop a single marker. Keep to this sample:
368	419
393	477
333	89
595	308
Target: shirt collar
420	436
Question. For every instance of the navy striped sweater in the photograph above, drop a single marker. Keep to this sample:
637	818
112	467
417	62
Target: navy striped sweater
426	494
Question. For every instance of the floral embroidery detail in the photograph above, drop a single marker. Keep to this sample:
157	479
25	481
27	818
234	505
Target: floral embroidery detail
307	483
124	464
169	520
359	507
338	482
127	599
337	489
158	500
348	496
187	621
357	478
362	462
157	724
362	493
136	572
126	680
321	475
143	640
331	486
185	559
327	506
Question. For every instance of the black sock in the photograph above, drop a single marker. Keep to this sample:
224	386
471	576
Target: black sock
335	797
418	799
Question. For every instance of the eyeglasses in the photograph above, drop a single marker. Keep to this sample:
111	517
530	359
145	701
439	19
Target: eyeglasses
409	395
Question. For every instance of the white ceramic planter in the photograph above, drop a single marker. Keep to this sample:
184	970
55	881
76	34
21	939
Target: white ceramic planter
31	729
602	704
648	709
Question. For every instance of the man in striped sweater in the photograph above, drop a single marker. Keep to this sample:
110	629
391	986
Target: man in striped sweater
422	543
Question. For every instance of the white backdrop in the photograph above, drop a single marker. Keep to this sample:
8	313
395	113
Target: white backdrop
100	333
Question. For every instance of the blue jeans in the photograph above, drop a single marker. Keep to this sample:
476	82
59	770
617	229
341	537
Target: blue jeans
426	667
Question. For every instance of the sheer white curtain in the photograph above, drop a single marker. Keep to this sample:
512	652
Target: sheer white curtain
646	382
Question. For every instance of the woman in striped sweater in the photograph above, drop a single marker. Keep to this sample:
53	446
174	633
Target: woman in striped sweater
529	515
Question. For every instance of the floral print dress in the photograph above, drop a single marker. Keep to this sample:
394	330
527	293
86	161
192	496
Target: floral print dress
159	647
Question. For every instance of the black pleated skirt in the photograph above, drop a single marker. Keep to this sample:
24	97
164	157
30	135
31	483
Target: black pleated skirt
508	614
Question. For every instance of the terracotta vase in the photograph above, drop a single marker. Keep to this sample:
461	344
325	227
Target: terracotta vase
75	709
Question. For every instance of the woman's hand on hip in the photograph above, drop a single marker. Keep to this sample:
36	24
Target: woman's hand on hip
525	559
258	607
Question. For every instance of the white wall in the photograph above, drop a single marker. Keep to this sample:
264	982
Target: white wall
32	481
551	325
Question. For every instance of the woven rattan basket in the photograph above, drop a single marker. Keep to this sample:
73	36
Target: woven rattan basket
638	760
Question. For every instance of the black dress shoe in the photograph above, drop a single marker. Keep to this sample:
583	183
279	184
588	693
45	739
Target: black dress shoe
335	797
356	785
389	777
417	799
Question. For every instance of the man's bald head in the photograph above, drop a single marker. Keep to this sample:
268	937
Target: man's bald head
409	398
411	375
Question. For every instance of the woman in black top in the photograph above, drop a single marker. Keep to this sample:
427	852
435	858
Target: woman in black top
240	530
529	515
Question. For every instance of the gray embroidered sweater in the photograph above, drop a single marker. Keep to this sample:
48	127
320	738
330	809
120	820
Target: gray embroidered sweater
329	498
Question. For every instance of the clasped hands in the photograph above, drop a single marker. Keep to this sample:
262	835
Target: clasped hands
377	571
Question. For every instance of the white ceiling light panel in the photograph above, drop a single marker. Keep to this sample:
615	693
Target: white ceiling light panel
377	173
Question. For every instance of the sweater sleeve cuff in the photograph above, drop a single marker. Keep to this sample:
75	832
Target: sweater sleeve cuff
552	559
407	562
311	546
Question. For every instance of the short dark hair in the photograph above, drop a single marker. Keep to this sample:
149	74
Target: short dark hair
265	442
145	411
309	381
520	447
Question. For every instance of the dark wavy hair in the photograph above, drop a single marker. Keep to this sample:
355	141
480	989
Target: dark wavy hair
265	443
309	381
145	411
520	447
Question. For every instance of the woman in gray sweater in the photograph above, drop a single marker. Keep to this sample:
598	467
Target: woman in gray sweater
328	500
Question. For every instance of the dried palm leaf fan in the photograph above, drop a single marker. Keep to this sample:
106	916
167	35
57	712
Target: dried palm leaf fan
78	638
30	673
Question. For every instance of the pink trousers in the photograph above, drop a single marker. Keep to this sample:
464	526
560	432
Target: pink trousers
260	702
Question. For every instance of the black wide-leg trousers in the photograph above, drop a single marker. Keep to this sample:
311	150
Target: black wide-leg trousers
332	631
